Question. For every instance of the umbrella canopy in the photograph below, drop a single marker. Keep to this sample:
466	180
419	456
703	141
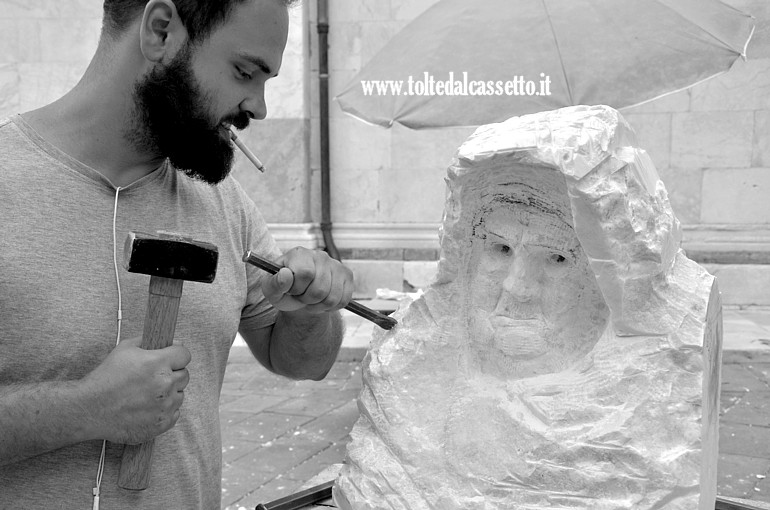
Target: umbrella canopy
464	63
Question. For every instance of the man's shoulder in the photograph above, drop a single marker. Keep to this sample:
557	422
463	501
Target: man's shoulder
7	128
15	143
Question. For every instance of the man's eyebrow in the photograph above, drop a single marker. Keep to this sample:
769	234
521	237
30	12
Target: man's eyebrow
259	62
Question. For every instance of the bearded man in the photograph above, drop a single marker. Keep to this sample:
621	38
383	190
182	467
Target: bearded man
142	143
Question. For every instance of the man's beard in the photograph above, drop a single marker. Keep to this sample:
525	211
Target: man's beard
171	119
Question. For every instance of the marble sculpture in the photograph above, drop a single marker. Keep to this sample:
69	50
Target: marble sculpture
567	354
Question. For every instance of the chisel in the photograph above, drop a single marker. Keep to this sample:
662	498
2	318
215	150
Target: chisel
381	320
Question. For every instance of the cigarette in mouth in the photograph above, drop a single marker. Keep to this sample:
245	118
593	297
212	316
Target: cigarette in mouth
254	159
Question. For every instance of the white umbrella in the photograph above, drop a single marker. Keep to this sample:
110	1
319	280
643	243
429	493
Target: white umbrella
466	63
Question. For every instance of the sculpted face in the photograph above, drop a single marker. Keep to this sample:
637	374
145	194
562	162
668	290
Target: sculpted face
534	304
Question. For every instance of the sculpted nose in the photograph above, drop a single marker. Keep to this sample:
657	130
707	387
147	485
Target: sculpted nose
521	282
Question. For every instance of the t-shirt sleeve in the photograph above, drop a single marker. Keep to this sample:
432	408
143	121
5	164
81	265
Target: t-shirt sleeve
257	311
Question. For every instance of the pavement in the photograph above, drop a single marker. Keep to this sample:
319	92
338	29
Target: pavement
278	434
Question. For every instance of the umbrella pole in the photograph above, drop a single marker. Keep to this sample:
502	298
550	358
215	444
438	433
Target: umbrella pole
323	87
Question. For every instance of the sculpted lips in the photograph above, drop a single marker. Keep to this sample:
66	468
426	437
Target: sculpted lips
518	338
501	321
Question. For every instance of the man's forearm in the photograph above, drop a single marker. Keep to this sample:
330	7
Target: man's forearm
38	418
304	345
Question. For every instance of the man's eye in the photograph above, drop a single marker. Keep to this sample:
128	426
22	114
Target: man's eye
243	74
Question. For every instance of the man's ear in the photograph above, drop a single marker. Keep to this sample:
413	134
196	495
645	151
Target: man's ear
161	33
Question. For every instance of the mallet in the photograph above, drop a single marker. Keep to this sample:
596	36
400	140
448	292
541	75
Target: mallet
169	259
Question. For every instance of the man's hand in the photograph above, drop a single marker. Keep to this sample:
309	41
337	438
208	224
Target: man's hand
311	281
137	393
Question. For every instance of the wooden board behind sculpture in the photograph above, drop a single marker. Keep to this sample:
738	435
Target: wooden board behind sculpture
566	356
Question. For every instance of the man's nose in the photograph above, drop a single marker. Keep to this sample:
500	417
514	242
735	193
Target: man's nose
255	106
522	281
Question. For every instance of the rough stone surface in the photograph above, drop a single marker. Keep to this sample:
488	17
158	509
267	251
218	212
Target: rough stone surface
567	354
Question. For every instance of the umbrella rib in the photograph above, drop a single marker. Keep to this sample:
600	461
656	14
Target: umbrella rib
558	50
708	32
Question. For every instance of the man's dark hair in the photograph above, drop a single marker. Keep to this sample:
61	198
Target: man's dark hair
200	17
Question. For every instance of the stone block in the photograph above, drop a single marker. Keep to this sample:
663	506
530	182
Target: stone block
263	427
252	404
68	40
281	192
742	284
285	95
684	191
10	99
745	440
375	35
420	274
427	148
761	140
745	87
19	40
315	404
712	139
408	10
333	426
358	10
345	46
422	254
14	9
358	146
240	479
297	41
736	195
355	195
737	379
377	253
370	275
43	83
752	409
653	132
411	194
737	475
334	454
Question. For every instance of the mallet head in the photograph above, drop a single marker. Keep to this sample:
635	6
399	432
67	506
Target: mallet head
170	256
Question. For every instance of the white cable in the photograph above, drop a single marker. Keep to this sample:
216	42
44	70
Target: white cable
100	471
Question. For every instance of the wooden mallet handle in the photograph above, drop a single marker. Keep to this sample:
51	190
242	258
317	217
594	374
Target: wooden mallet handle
169	259
159	326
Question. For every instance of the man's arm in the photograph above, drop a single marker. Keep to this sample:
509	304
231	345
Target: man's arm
306	337
299	345
37	418
131	397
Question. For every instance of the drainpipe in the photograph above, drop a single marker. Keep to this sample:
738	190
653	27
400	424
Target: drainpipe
323	87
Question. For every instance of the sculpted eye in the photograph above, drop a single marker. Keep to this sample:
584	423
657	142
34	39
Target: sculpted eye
502	249
557	259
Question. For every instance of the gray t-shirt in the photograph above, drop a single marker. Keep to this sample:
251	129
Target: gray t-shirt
59	302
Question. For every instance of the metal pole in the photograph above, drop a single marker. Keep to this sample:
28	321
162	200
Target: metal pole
323	87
